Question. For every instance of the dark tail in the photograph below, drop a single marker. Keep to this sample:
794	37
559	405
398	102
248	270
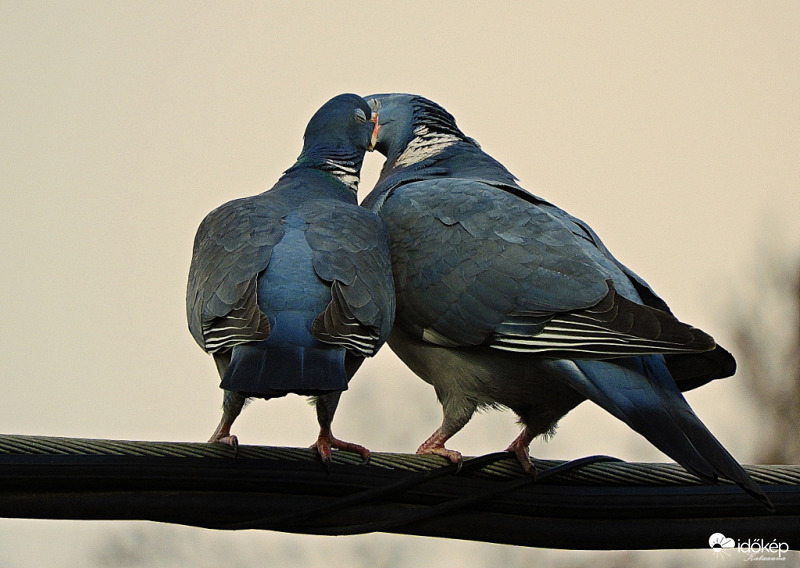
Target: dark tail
269	371
640	392
692	370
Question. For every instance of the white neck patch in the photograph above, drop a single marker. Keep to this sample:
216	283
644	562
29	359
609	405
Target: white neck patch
424	145
348	175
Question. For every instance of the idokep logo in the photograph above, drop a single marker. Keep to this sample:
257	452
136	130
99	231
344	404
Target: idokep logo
752	548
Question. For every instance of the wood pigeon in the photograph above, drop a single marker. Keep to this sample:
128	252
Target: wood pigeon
505	300
291	289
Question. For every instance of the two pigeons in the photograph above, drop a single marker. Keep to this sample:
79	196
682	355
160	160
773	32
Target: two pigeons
494	296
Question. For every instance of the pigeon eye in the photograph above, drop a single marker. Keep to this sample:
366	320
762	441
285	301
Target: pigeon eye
360	115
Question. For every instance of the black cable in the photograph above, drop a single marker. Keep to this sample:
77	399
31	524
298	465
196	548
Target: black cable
620	505
412	517
369	495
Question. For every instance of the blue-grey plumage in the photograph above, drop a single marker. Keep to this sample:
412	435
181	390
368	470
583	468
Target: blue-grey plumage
503	299
291	289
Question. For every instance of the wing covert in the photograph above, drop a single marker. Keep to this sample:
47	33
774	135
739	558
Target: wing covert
232	246
476	265
351	251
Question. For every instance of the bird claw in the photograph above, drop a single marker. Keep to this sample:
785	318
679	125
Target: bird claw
435	446
326	461
523	456
324	451
325	443
452	455
229	440
520	448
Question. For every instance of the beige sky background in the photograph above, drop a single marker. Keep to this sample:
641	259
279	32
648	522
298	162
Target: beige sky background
672	128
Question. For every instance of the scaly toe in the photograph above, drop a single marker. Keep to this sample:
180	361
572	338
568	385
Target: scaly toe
355	448
452	455
524	459
230	440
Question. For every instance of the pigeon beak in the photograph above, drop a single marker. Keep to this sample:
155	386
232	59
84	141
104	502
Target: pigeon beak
375	104
375	129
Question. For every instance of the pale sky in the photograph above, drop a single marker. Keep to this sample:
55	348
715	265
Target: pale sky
672	128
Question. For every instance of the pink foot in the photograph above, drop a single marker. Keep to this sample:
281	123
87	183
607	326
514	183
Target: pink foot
222	435
326	442
435	446
231	441
519	447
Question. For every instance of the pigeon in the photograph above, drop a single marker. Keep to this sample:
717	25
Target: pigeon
291	289
506	301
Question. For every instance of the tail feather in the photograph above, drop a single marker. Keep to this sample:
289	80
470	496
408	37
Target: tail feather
272	371
640	392
289	361
692	370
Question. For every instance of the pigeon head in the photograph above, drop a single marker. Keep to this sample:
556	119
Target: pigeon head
421	140
337	137
340	130
407	120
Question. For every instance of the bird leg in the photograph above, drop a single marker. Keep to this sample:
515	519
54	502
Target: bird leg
435	445
232	403
456	412
326	407
520	448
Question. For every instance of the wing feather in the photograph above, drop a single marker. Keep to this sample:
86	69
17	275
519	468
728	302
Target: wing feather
232	246
351	251
476	265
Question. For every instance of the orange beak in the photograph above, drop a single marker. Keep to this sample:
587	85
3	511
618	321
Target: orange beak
375	130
